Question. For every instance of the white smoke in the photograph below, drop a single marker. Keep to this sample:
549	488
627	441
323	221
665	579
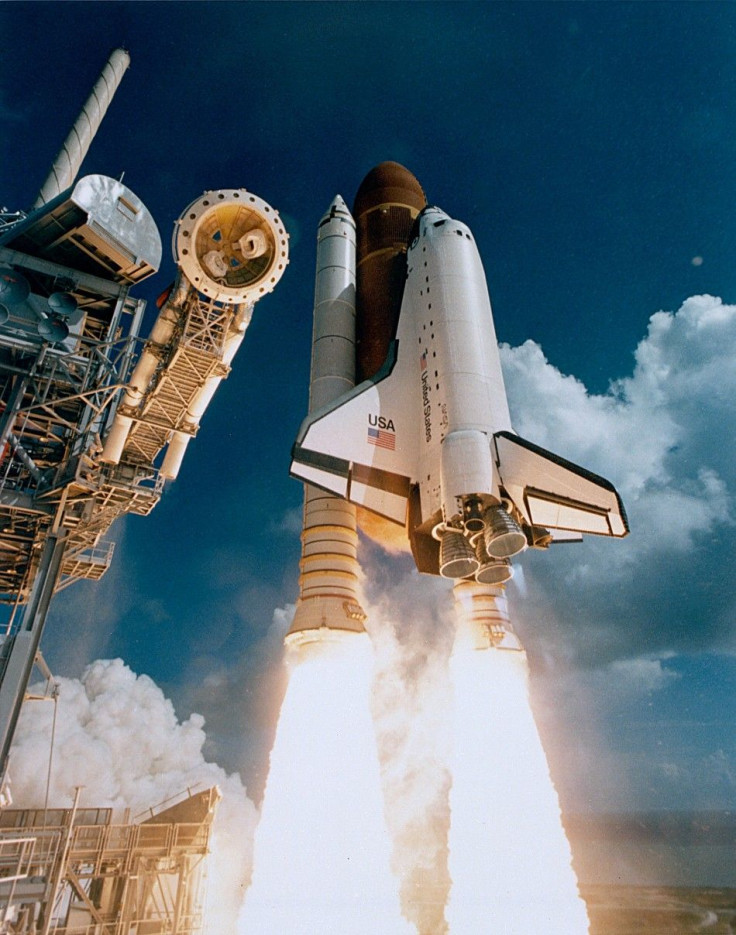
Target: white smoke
412	628
664	435
117	736
603	620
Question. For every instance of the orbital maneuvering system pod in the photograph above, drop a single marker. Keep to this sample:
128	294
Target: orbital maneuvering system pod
231	249
425	442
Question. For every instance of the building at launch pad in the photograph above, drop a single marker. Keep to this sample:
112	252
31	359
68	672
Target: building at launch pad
81	871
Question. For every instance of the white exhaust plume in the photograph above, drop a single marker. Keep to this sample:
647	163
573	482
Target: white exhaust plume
498	770
410	699
322	854
118	737
509	858
411	628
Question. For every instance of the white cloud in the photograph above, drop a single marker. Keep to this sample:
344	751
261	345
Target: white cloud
602	432
684	376
629	679
666	436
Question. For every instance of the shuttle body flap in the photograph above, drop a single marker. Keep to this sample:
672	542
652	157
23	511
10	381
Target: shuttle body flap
556	494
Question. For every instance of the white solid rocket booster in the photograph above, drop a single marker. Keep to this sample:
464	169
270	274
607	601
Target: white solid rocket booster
328	583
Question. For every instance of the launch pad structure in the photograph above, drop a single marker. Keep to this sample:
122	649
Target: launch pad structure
60	393
88	408
93	420
79	871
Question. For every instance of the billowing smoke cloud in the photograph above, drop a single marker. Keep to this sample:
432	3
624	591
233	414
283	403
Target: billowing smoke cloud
411	627
118	737
665	436
605	622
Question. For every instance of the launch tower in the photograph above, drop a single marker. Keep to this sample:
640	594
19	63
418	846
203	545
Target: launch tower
93	420
81	870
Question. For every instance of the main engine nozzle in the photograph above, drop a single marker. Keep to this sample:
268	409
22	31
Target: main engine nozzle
503	535
481	545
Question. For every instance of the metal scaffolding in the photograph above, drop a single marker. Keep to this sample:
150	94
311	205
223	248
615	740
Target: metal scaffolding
193	356
78	872
86	407
54	401
69	335
86	411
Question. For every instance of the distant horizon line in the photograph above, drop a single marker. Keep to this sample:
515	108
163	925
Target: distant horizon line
676	826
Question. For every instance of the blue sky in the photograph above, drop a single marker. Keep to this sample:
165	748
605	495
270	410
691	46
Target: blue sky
590	148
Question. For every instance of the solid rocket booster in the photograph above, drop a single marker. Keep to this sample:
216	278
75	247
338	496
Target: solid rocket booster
328	580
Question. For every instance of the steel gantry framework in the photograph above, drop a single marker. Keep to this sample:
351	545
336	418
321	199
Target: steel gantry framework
79	871
93	420
68	337
86	406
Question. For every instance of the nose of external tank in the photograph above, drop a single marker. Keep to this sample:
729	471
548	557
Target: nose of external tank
388	183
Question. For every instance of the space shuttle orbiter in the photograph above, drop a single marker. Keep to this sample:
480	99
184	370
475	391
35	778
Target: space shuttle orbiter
425	441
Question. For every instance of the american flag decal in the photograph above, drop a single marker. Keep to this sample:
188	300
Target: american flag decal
382	439
423	361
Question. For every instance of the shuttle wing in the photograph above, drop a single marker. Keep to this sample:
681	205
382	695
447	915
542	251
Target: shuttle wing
556	493
364	446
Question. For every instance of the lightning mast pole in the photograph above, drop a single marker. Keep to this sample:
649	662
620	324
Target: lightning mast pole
71	155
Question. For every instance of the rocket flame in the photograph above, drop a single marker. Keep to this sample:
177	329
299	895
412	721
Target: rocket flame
322	853
510	861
